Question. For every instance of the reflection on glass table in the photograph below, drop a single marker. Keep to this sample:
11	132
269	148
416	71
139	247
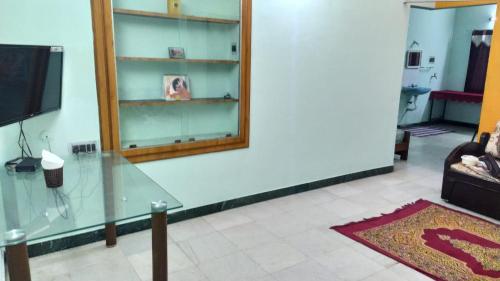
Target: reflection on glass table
98	190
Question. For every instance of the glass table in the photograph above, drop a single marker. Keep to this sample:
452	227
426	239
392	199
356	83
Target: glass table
99	190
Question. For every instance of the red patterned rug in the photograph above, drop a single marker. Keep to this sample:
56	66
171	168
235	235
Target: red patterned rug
442	243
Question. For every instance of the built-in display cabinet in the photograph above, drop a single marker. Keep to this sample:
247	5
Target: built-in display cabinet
173	76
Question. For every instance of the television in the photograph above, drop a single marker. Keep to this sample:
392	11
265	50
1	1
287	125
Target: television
30	81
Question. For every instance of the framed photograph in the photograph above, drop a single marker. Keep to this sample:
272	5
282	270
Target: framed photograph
176	87
176	53
413	59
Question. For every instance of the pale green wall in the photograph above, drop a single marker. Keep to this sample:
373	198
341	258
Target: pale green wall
55	22
434	31
466	20
325	88
326	77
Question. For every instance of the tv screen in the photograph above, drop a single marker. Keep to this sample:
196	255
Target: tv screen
30	81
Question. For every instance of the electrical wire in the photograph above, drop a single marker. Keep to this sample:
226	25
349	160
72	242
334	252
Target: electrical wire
60	199
22	142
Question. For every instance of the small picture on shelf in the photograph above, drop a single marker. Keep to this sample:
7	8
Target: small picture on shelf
176	53
176	87
174	7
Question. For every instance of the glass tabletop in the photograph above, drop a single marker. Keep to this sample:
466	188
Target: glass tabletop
98	189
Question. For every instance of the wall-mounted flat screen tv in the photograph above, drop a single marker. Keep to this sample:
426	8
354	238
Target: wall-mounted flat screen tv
30	81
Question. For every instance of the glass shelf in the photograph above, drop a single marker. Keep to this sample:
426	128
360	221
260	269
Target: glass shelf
167	73
130	144
168	60
132	103
173	17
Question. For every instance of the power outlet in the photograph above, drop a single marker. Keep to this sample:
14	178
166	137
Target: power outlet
83	147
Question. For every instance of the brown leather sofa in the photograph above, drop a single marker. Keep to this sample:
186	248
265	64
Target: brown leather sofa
469	192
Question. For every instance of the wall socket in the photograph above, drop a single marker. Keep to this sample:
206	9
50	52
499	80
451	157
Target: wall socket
83	147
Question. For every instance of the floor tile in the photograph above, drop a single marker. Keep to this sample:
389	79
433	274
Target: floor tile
291	203
343	208
349	264
43	276
228	219
385	275
274	257
343	190
234	267
135	243
310	271
189	229
265	278
109	271
285	224
371	199
188	274
314	243
318	196
404	192
75	259
260	210
316	217
373	255
409	274
337	236
248	235
207	247
143	262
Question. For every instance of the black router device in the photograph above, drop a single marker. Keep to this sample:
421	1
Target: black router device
28	165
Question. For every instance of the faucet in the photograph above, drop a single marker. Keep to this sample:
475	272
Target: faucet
434	76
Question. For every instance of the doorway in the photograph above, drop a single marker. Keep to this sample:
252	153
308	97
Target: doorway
444	75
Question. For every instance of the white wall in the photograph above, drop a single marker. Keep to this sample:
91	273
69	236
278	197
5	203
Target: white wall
433	30
326	79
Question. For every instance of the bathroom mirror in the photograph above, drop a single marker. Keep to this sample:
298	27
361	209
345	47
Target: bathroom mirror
413	59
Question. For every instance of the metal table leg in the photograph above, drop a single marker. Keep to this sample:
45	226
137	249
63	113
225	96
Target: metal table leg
109	200
159	238
17	256
110	230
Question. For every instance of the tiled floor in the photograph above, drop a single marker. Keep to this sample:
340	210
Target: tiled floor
285	239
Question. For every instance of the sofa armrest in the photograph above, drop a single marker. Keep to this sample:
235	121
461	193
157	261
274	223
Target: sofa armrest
484	139
469	148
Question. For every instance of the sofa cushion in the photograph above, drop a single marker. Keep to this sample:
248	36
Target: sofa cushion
474	171
493	146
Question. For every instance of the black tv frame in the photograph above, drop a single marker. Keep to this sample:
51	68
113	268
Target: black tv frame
60	49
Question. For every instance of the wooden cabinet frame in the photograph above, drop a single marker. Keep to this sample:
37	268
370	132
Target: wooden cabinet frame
105	68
